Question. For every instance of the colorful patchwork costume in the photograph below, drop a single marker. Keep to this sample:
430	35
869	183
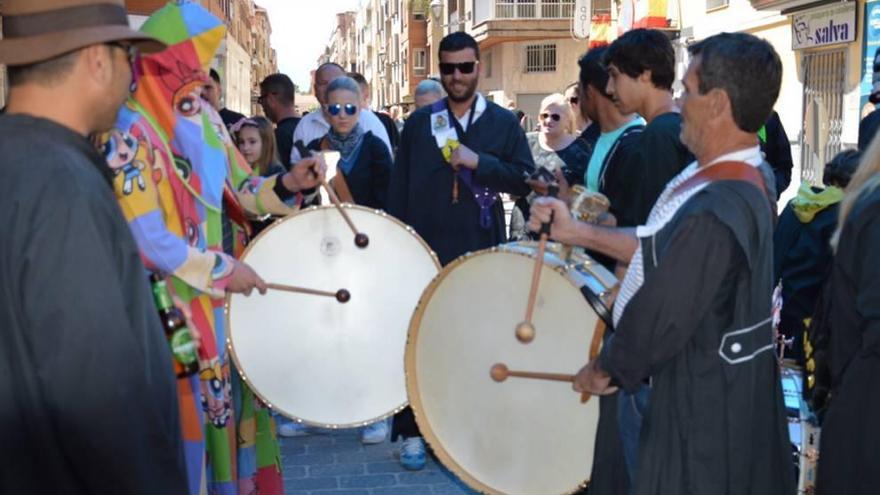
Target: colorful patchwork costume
185	191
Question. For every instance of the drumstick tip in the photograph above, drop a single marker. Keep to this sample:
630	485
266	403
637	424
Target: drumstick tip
499	372
343	296
361	240
525	332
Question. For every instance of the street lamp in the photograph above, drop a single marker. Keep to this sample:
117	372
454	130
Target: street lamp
436	8
437	12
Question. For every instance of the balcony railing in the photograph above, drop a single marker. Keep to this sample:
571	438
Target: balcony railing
534	9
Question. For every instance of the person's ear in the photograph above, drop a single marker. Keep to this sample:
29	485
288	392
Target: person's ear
97	60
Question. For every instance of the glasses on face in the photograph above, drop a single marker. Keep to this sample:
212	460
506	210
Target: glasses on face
262	98
573	100
555	116
131	51
335	108
447	69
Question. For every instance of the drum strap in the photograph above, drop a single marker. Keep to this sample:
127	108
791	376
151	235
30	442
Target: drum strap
741	171
338	181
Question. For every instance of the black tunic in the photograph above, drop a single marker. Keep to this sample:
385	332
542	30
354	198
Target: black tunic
368	178
658	157
777	151
87	392
421	182
284	139
868	129
712	427
849	463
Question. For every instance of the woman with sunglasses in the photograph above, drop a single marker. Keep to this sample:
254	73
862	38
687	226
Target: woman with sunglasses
555	146
364	167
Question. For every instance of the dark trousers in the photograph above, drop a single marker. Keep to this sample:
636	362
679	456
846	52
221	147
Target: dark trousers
404	425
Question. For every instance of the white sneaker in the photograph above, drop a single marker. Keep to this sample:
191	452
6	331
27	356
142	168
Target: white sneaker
374	433
293	429
412	454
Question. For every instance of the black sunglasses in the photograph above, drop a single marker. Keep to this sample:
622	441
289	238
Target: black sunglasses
573	100
336	108
555	116
447	69
131	51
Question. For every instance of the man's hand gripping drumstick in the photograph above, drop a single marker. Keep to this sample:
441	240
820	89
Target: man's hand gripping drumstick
619	243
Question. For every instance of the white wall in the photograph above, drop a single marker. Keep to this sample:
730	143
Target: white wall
237	78
508	76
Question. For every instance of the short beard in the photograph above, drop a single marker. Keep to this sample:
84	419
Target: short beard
472	89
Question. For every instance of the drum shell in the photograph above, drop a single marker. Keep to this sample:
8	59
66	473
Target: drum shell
309	357
523	436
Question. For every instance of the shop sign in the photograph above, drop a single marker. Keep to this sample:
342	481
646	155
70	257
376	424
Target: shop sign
828	26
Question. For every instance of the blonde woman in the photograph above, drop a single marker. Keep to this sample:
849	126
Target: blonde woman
848	464
555	146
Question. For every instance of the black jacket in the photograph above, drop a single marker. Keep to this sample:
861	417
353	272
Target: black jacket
87	390
777	151
369	177
848	460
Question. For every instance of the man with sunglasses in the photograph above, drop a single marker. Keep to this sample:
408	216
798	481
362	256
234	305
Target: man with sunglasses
316	125
86	382
455	157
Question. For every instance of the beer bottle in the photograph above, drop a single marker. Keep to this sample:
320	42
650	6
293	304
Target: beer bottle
186	359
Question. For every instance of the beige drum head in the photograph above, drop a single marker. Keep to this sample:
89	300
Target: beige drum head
310	357
522	436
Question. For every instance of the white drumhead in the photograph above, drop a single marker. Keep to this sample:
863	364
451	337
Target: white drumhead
521	436
310	357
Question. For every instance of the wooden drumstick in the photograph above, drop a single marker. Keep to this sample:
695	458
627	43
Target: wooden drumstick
598	333
361	240
342	295
499	372
525	331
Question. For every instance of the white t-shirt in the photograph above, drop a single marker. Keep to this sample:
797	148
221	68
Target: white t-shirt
314	126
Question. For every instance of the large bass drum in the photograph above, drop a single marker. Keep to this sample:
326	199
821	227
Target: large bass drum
521	436
313	358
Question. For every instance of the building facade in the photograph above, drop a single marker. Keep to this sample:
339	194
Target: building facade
832	46
264	60
527	50
234	60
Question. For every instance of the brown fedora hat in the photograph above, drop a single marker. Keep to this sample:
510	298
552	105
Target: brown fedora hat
38	30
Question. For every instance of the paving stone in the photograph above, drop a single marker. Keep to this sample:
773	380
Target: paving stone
403	490
337	469
334	462
368	481
313	483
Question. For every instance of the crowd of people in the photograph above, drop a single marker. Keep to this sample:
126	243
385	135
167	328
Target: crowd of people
119	160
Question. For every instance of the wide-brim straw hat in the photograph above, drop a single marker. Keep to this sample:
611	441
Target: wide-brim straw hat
38	30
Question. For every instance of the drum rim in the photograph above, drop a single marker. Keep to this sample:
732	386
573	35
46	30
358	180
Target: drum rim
226	315
412	386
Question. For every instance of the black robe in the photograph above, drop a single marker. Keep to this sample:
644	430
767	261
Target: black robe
87	391
712	427
849	463
777	151
420	194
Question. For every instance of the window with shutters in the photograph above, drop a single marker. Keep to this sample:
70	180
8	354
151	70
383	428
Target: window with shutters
540	58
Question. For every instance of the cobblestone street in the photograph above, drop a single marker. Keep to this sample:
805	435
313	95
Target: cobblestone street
335	462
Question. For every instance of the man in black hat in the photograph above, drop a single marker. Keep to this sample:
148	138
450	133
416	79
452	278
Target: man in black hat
86	383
